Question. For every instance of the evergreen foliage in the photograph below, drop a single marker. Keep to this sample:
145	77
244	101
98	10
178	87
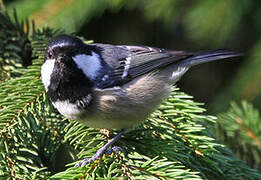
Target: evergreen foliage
174	143
15	48
240	129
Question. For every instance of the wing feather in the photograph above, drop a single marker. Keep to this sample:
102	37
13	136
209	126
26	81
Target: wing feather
124	63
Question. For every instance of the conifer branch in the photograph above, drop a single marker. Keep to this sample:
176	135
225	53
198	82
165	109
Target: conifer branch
239	129
175	135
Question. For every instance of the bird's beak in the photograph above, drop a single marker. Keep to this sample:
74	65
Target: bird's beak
63	59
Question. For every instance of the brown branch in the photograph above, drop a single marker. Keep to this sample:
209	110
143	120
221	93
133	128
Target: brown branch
249	132
124	167
11	165
196	151
150	173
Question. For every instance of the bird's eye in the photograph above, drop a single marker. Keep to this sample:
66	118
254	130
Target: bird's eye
50	55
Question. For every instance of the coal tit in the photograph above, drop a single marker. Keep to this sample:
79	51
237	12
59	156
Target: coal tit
113	86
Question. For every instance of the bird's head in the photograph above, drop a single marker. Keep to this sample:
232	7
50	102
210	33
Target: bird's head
68	63
64	48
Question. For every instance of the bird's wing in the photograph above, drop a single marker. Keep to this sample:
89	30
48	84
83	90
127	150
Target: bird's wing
124	63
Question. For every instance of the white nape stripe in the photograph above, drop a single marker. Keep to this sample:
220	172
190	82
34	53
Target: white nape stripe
128	47
90	65
126	67
46	71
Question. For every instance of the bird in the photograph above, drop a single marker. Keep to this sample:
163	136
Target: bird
113	86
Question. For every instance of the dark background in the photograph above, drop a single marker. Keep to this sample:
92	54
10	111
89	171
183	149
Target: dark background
171	24
129	27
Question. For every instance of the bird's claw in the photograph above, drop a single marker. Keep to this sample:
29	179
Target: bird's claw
83	162
114	149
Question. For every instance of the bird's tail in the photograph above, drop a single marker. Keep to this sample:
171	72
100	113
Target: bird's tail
207	56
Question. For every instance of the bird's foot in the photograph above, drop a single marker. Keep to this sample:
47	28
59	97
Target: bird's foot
103	150
98	154
115	149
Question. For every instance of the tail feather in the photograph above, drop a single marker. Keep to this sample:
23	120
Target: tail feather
207	56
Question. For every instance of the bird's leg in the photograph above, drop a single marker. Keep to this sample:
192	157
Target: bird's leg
103	150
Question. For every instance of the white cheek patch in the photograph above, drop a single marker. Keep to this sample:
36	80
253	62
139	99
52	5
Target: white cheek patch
90	65
46	71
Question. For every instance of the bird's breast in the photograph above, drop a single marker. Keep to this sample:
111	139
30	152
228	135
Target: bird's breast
68	109
127	106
